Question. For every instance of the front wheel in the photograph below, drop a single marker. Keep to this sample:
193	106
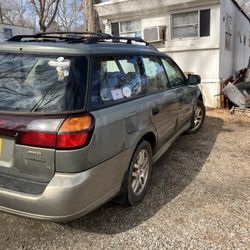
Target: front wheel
198	117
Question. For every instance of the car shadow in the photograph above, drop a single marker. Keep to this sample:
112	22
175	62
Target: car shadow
171	175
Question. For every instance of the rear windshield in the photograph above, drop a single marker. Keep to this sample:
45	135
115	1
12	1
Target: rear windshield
34	83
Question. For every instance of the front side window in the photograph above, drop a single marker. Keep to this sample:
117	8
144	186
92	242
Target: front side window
175	75
33	83
154	74
116	79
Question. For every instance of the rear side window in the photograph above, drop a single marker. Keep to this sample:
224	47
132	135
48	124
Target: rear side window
154	74
33	83
116	79
175	75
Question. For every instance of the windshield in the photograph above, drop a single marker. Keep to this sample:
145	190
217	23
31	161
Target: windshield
34	83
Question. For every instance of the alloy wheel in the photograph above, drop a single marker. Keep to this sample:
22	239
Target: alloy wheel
140	172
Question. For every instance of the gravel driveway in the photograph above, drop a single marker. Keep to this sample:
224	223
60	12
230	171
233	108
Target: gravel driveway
199	199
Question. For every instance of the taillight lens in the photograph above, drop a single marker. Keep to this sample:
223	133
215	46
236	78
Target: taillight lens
75	132
69	141
37	139
76	124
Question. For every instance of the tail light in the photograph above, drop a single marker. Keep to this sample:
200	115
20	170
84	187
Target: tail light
37	139
74	132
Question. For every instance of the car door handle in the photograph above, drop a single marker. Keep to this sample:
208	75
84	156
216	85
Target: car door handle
155	111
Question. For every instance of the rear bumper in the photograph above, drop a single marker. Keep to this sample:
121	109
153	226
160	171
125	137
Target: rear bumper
70	196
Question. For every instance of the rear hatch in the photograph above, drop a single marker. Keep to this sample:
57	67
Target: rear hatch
38	93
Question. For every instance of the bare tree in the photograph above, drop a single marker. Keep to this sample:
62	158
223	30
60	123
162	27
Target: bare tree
46	10
15	13
91	18
69	14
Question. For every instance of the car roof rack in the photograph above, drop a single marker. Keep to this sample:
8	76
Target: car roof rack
77	37
62	36
130	39
107	37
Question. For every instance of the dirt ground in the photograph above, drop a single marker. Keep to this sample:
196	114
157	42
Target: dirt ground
199	198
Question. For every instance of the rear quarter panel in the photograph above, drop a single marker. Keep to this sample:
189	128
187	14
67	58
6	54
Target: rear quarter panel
117	128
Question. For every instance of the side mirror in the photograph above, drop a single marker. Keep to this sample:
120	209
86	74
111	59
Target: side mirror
193	79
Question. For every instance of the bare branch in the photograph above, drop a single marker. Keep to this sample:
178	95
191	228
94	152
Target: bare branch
69	16
15	12
46	10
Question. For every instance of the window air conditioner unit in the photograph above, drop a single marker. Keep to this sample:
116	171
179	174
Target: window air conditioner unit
154	34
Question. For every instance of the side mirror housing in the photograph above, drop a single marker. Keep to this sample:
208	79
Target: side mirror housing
193	79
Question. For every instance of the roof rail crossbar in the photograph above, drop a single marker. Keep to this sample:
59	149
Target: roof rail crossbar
59	36
19	38
130	39
96	39
73	33
77	34
92	39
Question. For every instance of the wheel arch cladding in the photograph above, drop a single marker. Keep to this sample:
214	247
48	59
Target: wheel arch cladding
151	138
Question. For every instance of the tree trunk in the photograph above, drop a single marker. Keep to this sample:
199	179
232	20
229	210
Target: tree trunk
91	18
1	14
43	28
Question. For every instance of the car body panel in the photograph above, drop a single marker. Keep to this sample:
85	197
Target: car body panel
69	196
187	101
117	128
62	185
25	162
166	120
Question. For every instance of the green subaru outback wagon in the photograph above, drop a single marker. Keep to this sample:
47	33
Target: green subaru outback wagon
83	117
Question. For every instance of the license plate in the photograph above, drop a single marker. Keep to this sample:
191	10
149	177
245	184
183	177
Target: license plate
1	148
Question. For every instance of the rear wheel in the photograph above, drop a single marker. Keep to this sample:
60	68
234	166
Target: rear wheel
138	175
198	117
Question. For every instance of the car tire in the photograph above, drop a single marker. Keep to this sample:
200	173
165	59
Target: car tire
198	117
137	177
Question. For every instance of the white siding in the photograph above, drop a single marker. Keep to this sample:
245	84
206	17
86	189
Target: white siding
198	55
206	64
16	30
205	56
237	57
